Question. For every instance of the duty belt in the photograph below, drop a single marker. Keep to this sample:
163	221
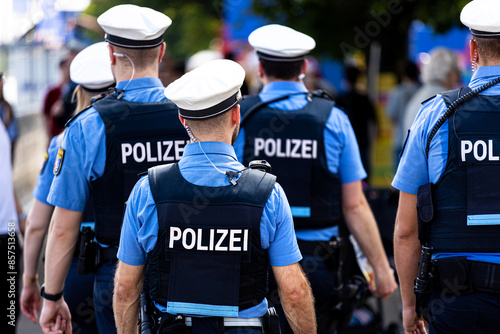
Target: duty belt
458	276
235	322
105	254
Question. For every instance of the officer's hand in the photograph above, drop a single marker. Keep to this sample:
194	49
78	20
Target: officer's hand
411	323
55	317
385	283
31	300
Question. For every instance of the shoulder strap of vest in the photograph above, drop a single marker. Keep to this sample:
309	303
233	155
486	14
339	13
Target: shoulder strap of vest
465	94
257	186
452	95
259	105
109	107
155	175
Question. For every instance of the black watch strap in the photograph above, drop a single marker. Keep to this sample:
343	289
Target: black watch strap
47	296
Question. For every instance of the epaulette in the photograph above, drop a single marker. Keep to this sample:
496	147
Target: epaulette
75	116
430	98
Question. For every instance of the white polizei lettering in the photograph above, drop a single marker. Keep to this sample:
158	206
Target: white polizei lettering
466	148
175	234
158	146
126	151
148	151
211	242
179	149
270	147
279	154
296	146
306	147
218	246
143	152
258	146
169	147
491	157
315	149
233	239
485	152
199	245
288	148
245	240
193	238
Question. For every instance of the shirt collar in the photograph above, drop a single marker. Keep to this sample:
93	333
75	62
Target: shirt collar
139	83
209	147
284	86
483	74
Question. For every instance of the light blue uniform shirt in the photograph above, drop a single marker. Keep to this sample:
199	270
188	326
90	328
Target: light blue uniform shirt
84	144
44	180
415	169
342	151
46	176
140	224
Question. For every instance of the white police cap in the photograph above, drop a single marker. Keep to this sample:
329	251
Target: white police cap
207	91
482	17
134	27
275	42
91	68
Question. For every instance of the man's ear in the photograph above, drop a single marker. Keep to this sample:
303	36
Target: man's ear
183	121
304	68
112	57
474	57
261	70
235	115
162	52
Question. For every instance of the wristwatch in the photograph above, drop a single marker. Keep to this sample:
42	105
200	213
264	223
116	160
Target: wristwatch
47	296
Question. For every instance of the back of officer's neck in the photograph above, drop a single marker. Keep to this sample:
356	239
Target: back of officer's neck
266	80
126	74
214	139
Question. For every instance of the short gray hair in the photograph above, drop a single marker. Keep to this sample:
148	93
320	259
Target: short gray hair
442	62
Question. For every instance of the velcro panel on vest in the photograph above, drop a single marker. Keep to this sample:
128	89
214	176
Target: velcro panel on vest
210	234
293	143
138	136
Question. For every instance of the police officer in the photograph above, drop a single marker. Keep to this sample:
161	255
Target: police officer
102	151
91	70
450	168
218	225
312	149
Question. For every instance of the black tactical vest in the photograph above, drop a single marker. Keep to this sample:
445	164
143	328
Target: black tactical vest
293	143
467	195
208	258
138	136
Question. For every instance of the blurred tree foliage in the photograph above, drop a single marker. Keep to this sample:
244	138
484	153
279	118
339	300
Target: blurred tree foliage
342	26
195	23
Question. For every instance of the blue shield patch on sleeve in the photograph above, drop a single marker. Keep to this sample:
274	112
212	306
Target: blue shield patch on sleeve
59	161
